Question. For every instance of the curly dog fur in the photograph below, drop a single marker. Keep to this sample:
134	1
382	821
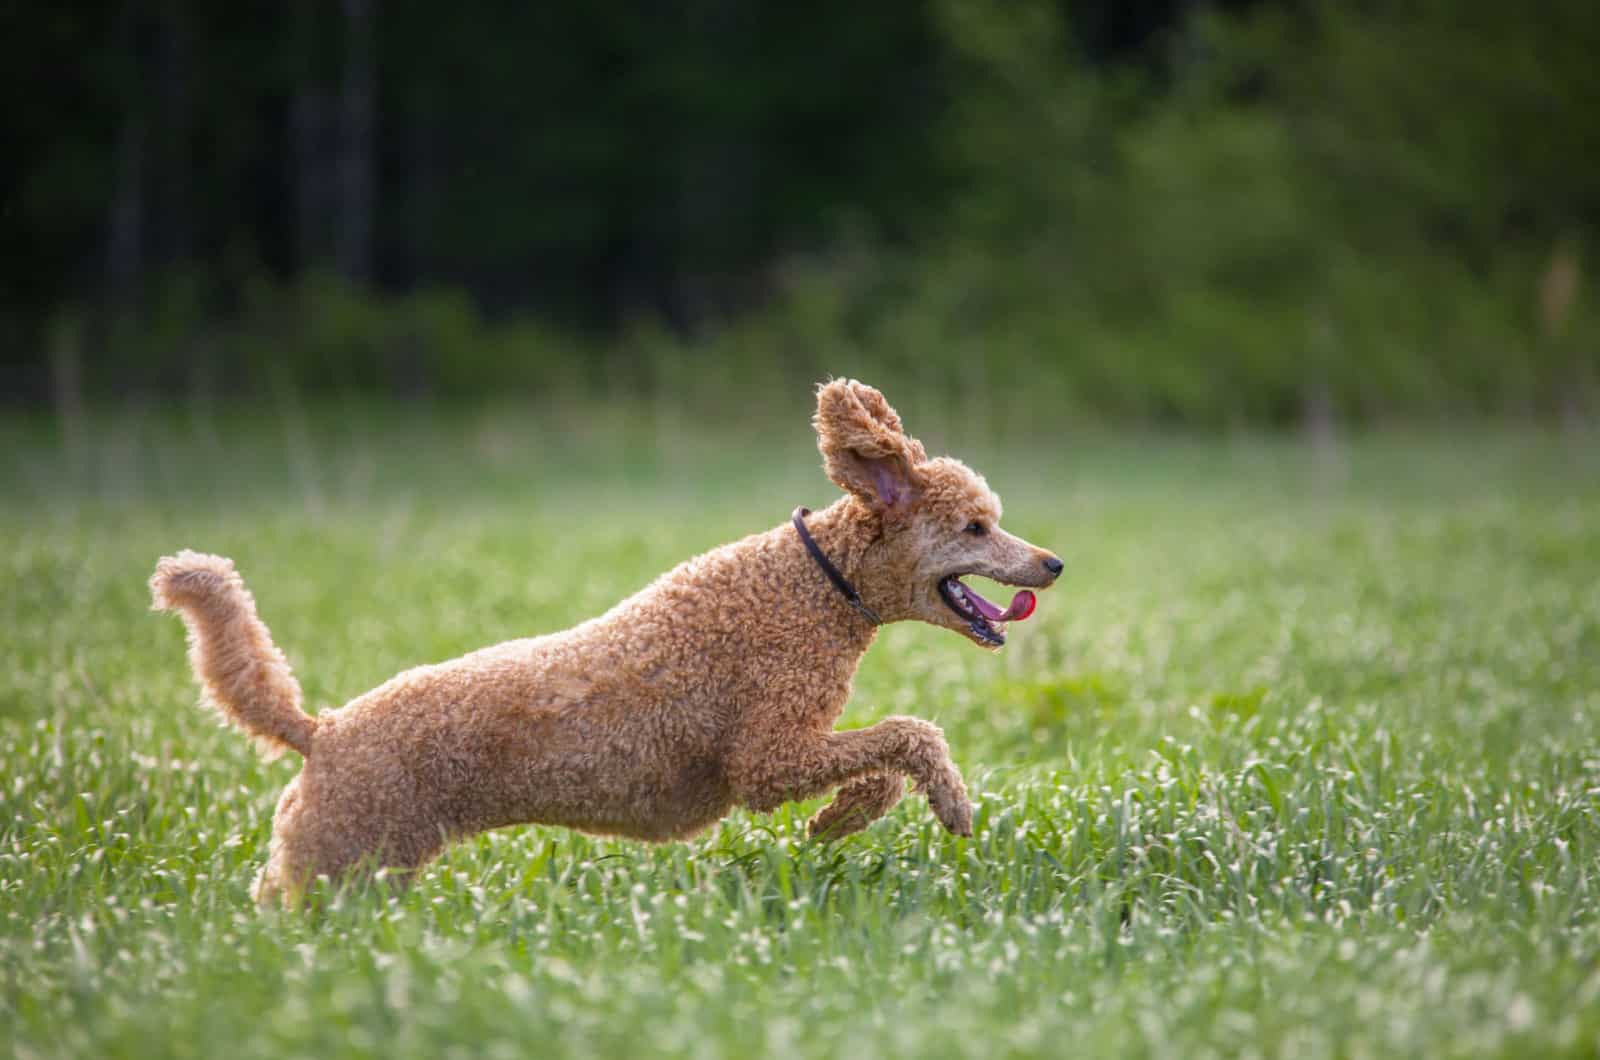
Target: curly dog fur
654	719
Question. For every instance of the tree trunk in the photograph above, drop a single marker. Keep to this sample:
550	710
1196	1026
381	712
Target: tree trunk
173	218
306	120
66	385
1559	290
357	104
422	186
125	245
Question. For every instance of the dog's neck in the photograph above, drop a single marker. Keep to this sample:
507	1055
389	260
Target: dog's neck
843	531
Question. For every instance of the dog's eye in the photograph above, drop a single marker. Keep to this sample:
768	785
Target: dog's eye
976	529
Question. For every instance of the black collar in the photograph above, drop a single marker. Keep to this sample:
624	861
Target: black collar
839	581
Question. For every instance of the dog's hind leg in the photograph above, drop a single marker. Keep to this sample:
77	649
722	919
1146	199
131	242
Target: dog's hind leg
312	841
857	805
299	860
286	873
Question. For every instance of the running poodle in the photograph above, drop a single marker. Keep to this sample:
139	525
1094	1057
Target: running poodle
656	718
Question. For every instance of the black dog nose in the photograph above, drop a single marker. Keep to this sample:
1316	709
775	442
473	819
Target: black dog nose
1053	565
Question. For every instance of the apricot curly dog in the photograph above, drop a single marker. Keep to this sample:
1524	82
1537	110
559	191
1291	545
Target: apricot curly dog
656	718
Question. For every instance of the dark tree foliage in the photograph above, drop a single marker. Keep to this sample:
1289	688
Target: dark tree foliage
1197	210
589	160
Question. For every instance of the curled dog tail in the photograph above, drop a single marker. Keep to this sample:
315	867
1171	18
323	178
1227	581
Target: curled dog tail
244	674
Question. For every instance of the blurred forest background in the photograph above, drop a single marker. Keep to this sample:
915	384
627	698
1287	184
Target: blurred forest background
1222	214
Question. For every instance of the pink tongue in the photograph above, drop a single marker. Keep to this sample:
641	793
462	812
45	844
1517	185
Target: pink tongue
1021	607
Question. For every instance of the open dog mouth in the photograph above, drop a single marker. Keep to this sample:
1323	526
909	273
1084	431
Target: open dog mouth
984	618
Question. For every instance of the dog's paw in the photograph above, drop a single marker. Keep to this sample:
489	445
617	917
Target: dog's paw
950	804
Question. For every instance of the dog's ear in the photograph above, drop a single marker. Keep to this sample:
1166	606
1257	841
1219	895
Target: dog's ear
864	447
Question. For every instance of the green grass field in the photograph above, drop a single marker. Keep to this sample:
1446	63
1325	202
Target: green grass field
1299	759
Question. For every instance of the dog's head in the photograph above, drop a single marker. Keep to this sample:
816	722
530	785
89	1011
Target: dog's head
937	521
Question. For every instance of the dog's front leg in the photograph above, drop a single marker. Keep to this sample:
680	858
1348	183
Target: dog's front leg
767	770
857	805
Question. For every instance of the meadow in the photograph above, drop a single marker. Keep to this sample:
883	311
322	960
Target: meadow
1298	759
